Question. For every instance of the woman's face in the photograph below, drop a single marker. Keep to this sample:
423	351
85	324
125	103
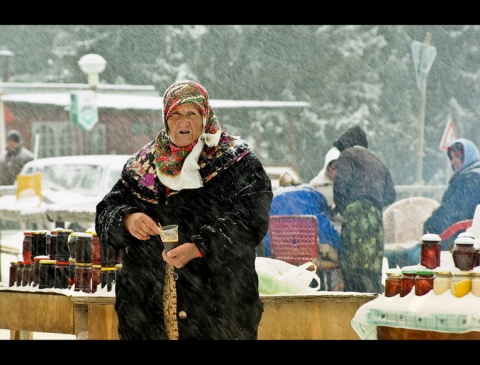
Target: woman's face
332	169
185	125
456	163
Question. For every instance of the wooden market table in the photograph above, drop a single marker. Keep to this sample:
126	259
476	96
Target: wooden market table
325	315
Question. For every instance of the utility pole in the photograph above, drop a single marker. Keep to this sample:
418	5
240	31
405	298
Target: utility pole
423	56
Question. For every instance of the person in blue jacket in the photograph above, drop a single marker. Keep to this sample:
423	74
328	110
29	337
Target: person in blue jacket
461	197
293	197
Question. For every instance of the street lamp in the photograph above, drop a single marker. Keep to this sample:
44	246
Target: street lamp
92	64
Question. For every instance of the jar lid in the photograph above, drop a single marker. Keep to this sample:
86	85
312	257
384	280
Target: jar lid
409	272
84	235
393	274
425	272
443	273
47	262
464	240
430	237
463	273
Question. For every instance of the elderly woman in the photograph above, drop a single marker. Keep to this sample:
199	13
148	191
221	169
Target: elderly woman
209	183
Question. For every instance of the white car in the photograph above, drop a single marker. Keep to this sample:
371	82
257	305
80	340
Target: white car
68	184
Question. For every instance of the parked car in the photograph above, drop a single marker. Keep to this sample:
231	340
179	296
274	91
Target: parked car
68	183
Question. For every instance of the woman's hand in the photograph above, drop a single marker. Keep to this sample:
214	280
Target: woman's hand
181	255
140	226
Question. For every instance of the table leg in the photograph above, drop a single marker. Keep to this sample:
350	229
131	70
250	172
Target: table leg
21	335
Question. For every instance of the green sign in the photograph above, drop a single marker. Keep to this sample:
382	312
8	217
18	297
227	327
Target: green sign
83	109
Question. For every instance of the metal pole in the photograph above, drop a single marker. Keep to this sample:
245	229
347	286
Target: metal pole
421	128
3	136
421	120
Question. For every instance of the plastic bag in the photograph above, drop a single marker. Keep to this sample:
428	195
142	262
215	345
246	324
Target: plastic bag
280	277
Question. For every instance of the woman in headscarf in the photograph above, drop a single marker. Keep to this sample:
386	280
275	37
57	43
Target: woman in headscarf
209	183
362	188
323	183
463	192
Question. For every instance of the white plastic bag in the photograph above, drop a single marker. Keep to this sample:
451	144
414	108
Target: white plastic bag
280	277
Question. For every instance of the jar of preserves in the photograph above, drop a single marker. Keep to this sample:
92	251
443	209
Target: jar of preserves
476	283
48	243
424	282
83	248
19	277
96	249
27	277
96	273
107	277
441	282
36	268
71	272
83	277
27	246
61	274
461	283
408	282
47	274
62	252
430	250
464	254
71	244
393	283
12	279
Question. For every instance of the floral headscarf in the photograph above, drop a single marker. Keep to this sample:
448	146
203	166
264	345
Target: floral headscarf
168	157
183	167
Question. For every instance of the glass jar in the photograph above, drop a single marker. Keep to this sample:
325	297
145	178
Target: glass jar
441	283
27	277
430	251
48	243
27	246
464	254
61	274
47	274
71	272
96	249
83	277
461	283
36	268
12	279
96	273
107	277
393	283
19	277
408	282
424	282
476	284
62	250
83	248
53	244
71	244
38	244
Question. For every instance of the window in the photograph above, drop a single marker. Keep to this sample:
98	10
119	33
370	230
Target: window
63	139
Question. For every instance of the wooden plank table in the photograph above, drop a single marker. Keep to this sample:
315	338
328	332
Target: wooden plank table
25	312
325	315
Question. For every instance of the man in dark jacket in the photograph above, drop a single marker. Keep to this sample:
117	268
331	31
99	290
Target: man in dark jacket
197	176
362	188
13	158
